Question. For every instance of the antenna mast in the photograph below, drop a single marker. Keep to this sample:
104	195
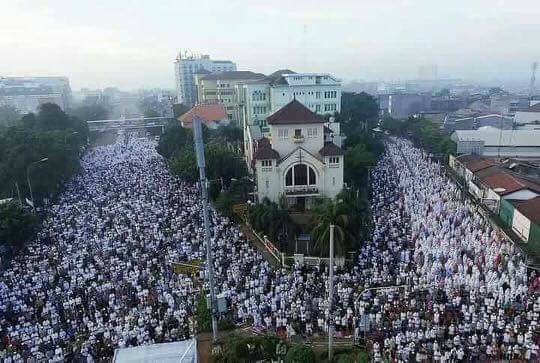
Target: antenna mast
532	89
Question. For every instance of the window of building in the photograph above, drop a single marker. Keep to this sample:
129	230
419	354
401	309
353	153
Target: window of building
333	180
267	184
283	133
300	174
267	163
312	179
312	132
288	178
330	107
318	108
318	94
333	160
297	133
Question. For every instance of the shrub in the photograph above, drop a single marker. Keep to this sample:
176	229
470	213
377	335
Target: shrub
300	354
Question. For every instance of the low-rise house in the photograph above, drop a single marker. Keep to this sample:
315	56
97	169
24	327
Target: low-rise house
523	216
213	115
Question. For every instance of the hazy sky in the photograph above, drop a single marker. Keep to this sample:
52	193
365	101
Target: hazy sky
132	44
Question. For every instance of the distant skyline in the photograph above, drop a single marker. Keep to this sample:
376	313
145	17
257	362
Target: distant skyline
133	45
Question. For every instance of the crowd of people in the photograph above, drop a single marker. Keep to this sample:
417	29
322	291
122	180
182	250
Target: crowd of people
467	294
100	275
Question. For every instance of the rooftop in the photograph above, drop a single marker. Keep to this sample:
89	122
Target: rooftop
533	108
294	113
265	151
503	183
497	137
529	208
330	149
234	75
475	163
209	112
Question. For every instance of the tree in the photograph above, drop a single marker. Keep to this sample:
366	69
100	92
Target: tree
327	212
358	111
358	160
356	205
51	117
149	112
224	203
90	112
392	125
9	116
273	220
300	354
179	109
50	134
173	139
229	133
425	134
184	164
16	224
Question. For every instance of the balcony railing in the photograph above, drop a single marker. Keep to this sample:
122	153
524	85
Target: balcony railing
298	139
302	190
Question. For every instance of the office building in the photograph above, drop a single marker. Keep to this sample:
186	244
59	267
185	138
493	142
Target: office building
320	92
26	94
222	88
187	66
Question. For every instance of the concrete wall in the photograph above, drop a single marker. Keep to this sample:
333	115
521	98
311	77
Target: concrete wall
526	117
524	151
506	212
311	96
521	225
286	145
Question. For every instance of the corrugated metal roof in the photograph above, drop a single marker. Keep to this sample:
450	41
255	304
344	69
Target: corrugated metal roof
495	137
474	162
529	208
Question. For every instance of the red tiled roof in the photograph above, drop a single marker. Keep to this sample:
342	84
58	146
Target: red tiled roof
294	113
475	163
210	112
529	208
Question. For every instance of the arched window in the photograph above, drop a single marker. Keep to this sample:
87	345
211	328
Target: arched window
300	174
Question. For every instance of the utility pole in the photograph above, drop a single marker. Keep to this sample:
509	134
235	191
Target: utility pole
331	296
30	184
18	193
199	151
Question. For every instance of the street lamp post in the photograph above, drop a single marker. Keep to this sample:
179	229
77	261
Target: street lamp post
331	296
30	184
199	151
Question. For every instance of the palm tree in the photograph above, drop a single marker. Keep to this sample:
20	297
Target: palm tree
356	204
327	212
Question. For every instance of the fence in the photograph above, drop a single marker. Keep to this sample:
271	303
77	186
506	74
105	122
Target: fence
268	245
315	261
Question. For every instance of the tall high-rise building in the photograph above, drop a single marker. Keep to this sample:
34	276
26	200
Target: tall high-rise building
187	66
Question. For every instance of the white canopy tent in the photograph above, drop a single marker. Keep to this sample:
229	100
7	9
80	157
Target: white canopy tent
178	352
